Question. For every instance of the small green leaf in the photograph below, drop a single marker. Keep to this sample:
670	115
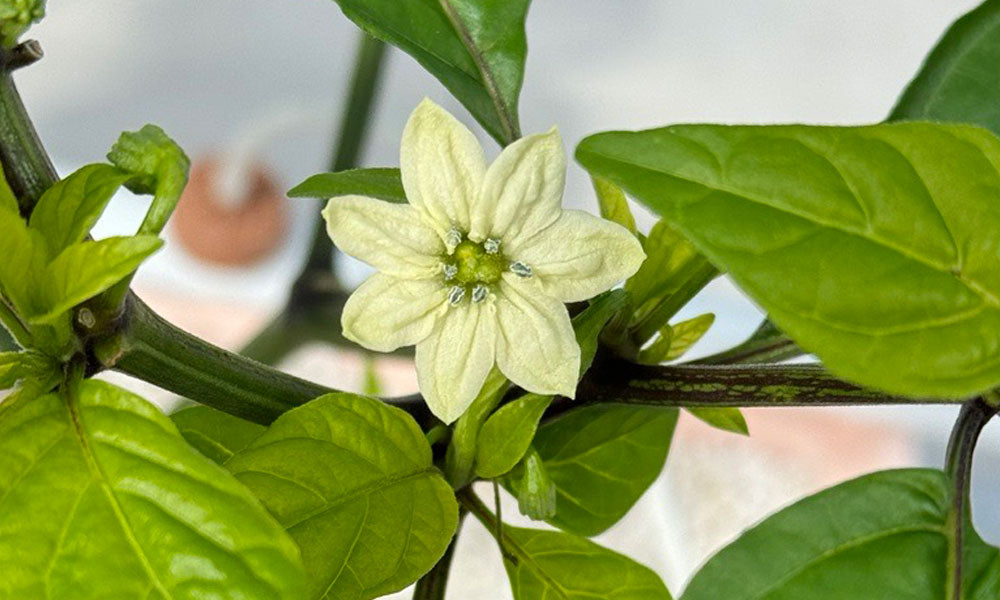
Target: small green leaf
101	498
592	320
88	268
687	333
506	435
68	210
657	352
725	418
553	564
613	204
475	48
536	492
959	80
884	535
352	481
383	184
215	434
670	260
602	458
859	242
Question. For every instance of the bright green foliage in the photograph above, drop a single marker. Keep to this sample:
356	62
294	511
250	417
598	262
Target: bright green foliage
159	167
101	498
16	16
589	324
476	48
883	535
215	434
27	364
959	80
553	564
612	203
726	418
384	184
506	435
863	243
602	458
536	492
69	209
352	481
687	333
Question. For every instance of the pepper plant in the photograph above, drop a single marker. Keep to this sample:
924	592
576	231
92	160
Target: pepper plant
875	248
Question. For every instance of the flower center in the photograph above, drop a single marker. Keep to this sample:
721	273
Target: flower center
475	265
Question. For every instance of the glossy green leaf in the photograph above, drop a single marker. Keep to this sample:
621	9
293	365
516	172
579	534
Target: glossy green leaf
726	418
602	458
215	434
70	208
352	481
589	324
656	352
959	80
476	48
553	564
101	498
612	203
506	435
383	184
872	247
88	268
15	366
670	259
687	333
24	262
883	535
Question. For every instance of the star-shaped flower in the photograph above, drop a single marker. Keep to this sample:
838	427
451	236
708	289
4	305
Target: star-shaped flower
475	269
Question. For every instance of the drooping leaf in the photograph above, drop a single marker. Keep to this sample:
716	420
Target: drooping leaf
476	48
612	203
352	481
866	245
959	80
602	458
383	184
215	434
68	210
101	498
553	564
506	435
726	418
883	535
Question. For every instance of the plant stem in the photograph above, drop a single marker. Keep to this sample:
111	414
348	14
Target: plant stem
433	585
656	318
958	466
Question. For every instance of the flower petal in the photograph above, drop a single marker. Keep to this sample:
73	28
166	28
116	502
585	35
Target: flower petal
385	313
442	167
453	362
536	346
522	193
579	256
389	237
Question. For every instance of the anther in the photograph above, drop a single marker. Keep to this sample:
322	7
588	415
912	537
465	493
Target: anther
455	294
453	239
520	269
479	293
449	271
491	246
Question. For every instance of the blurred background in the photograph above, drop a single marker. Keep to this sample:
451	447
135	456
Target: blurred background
253	90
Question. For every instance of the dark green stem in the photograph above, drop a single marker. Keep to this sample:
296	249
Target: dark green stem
434	584
958	465
766	345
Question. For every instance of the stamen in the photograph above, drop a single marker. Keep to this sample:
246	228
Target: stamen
479	293
449	271
455	294
453	239
520	269
491	246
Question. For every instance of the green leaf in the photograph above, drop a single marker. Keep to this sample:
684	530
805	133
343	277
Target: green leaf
884	535
602	458
687	333
506	435
553	564
352	481
726	418
24	262
959	80
68	210
670	260
15	366
215	434
86	269
656	352
383	184
536	492
8	202
101	498
589	324
476	48
873	247
613	204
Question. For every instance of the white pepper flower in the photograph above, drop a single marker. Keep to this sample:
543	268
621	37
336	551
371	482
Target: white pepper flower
475	269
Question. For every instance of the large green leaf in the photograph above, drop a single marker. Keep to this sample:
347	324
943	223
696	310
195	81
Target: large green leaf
553	564
602	458
215	434
384	184
959	80
476	48
883	535
873	247
352	481
101	498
